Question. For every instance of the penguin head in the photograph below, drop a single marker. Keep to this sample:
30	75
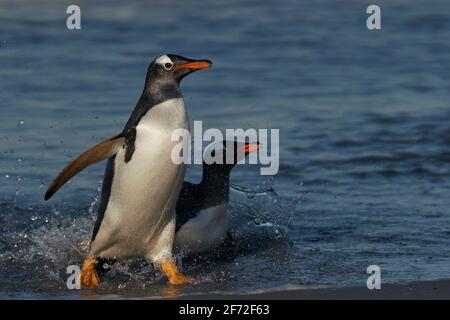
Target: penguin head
171	68
223	156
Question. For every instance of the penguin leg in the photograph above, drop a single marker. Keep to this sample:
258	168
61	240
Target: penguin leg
88	276
161	256
170	269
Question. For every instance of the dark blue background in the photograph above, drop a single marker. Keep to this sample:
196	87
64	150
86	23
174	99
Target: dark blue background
363	117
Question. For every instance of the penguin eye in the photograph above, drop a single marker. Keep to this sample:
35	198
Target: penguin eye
168	65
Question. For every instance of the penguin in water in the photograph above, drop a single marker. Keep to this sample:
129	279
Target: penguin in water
201	210
136	215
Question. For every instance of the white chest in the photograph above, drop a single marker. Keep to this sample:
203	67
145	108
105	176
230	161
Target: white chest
164	117
151	162
204	232
154	132
144	189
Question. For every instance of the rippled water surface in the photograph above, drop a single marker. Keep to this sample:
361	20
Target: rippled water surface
364	137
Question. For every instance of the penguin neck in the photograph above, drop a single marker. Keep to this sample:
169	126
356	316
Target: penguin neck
216	182
154	93
160	91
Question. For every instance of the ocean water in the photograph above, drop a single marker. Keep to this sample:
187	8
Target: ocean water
364	125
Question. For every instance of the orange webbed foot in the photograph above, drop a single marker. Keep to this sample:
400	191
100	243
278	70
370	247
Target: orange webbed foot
88	276
175	277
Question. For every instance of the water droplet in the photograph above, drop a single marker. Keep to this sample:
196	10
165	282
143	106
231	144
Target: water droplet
7	176
278	234
34	218
21	122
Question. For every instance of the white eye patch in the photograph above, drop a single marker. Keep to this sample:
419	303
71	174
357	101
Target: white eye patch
163	60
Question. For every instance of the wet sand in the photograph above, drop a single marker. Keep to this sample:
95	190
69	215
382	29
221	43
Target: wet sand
435	290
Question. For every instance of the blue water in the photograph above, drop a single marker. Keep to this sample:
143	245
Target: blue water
364	136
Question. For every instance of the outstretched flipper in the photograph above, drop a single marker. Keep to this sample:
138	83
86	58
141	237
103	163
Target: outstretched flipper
95	154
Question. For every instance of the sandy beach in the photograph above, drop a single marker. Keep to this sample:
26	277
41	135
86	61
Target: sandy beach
428	290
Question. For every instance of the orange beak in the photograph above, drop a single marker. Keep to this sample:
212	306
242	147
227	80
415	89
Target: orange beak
251	147
195	65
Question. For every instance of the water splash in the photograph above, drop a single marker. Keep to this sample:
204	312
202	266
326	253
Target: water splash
261	210
43	240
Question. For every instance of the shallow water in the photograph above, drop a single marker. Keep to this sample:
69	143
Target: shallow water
364	136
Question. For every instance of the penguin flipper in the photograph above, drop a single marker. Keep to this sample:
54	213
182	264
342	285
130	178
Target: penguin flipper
95	154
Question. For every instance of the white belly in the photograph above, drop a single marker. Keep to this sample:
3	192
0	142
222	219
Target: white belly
139	218
205	232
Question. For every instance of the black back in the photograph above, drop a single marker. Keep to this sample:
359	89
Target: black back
213	190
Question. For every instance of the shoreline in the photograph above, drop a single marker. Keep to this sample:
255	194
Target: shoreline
420	290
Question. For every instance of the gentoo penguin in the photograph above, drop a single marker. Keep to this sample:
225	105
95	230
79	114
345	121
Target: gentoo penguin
136	215
201	210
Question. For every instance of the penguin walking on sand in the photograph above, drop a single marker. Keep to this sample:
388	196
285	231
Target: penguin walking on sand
201	210
136	215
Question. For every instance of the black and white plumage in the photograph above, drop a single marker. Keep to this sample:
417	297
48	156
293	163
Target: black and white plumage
136	216
201	210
